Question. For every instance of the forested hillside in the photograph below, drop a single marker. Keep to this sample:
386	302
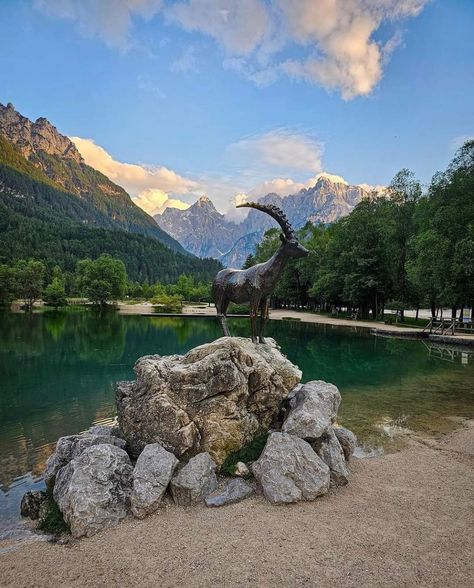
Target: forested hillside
38	149
40	220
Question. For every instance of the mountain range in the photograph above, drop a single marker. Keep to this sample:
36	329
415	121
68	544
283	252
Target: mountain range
205	232
55	207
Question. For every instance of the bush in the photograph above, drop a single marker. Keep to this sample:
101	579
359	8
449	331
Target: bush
168	303
238	308
52	520
250	452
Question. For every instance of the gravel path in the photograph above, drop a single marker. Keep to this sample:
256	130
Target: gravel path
405	520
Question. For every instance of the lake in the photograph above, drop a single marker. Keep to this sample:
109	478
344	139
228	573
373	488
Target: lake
58	371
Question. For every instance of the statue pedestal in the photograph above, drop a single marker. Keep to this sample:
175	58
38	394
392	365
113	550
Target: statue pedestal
215	398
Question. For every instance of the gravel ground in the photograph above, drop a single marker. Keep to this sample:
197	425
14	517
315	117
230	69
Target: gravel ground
406	519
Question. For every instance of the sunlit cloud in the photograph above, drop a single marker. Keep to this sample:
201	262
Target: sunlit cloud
281	148
339	41
110	20
147	185
238	25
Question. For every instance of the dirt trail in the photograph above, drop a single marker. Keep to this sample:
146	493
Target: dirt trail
406	519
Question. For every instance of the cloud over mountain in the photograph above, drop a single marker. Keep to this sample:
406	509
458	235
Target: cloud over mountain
150	188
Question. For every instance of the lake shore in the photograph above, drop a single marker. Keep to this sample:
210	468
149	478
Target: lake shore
404	520
380	327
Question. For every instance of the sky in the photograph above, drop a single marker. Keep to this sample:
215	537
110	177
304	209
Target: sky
173	99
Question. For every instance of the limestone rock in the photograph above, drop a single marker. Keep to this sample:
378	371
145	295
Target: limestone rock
288	470
214	399
93	489
30	137
31	504
107	430
330	451
234	491
194	481
241	469
72	446
347	439
151	476
313	410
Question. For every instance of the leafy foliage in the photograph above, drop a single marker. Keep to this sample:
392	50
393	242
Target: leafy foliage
250	452
52	520
102	279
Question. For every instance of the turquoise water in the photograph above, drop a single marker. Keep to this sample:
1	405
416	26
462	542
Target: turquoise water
57	373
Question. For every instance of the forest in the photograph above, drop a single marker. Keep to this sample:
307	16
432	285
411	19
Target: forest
408	248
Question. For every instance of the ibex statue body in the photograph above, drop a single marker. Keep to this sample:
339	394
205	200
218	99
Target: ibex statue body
256	284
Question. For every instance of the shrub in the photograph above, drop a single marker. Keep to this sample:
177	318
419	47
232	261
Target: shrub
51	520
250	452
168	303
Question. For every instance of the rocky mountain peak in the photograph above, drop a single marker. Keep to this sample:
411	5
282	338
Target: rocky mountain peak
204	231
204	202
32	137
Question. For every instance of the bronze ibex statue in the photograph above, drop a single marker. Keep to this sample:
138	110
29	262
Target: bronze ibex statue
256	284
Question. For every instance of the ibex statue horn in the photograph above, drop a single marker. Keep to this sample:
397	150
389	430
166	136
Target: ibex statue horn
255	285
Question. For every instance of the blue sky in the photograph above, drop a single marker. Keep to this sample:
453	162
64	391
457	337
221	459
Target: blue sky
226	96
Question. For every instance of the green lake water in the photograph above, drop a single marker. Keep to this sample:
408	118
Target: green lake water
57	374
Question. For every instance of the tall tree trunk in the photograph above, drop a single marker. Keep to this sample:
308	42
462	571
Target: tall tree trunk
454	311
433	310
417	311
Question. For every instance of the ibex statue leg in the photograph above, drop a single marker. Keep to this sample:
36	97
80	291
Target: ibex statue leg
221	307
263	318
253	319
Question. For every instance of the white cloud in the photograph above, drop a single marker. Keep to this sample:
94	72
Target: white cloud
281	148
238	25
336	40
156	188
148	186
347	58
156	201
110	20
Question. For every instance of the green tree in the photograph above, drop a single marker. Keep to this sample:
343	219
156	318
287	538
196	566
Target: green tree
102	279
55	293
403	192
7	285
29	279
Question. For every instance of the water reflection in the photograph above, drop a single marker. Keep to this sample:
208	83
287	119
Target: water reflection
58	371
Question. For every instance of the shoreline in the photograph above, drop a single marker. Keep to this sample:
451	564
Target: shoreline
404	520
377	328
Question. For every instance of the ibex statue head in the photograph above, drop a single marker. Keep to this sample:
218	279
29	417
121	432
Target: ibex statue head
255	285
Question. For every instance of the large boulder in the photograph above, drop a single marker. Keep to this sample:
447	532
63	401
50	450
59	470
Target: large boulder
288	470
151	476
70	447
93	489
213	399
194	481
330	451
348	441
313	410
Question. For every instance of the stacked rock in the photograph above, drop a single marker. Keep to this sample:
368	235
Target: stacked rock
178	422
301	461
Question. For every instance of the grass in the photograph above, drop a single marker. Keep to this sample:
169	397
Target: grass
52	520
250	452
